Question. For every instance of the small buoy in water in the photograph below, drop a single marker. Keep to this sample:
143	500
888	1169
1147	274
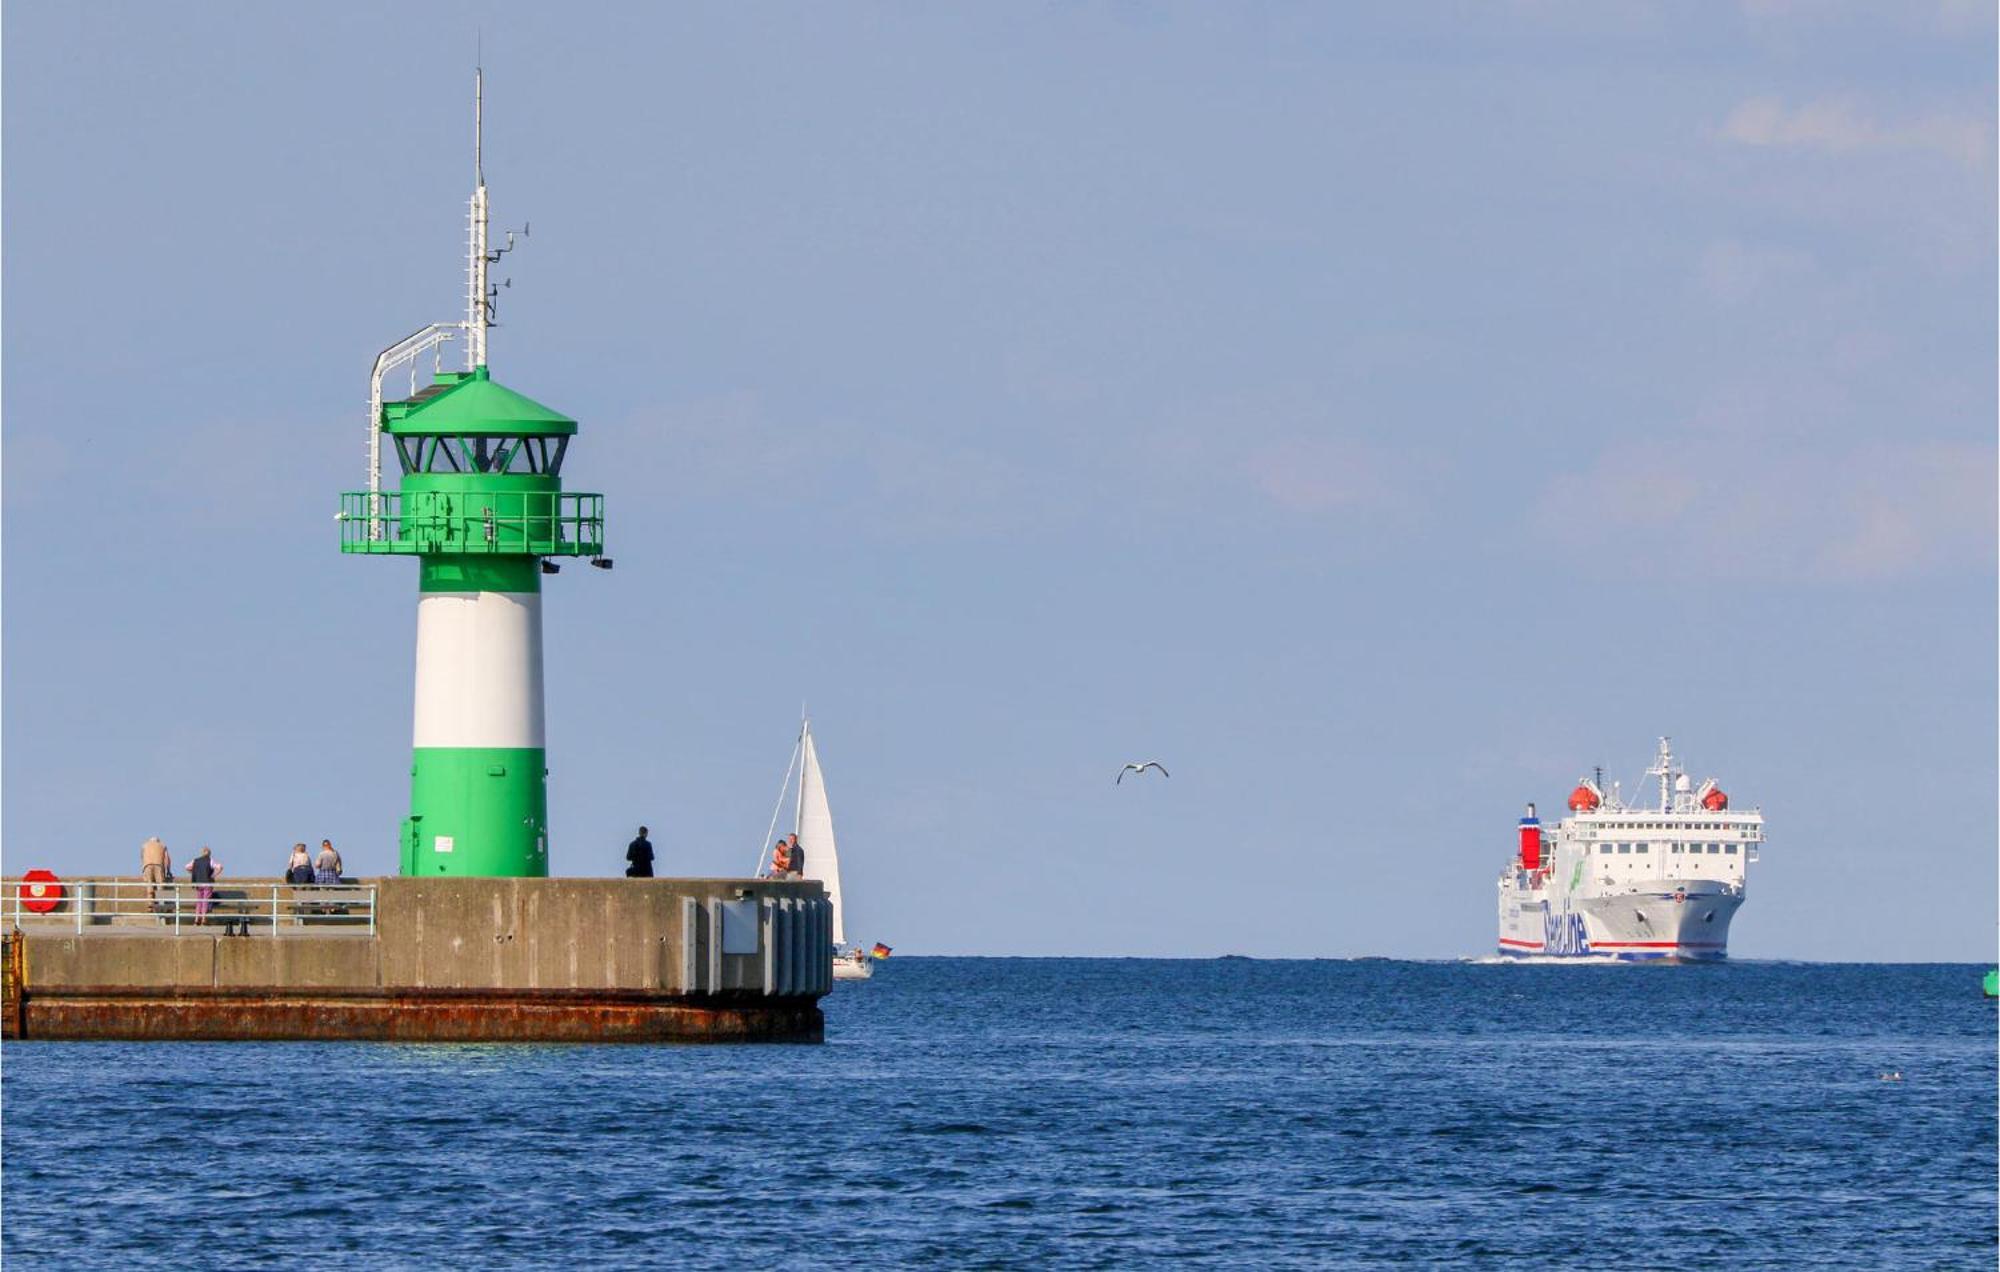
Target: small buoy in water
1893	1076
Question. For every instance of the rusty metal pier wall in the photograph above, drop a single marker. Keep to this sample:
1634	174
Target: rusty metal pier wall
459	960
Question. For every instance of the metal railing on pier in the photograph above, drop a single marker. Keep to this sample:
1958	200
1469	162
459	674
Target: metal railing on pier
273	909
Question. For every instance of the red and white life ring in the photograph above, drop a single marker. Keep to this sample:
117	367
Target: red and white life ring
40	891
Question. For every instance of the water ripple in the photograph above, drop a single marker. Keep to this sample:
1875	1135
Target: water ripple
1070	1114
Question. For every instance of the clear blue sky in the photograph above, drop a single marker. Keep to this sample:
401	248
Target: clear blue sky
1380	415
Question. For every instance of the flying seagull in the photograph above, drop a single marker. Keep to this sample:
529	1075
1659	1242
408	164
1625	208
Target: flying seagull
1140	768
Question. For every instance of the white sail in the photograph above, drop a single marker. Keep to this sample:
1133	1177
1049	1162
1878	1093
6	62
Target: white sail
815	831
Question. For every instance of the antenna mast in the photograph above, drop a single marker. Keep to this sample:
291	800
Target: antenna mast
475	269
1663	768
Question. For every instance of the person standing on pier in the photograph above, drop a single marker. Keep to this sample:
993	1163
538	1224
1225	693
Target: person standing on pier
639	853
153	863
327	866
204	870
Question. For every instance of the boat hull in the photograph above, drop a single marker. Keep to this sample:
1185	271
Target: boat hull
1653	922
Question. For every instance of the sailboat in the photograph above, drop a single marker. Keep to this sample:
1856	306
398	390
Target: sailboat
812	823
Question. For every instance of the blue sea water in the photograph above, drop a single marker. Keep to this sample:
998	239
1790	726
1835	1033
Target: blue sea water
1069	1112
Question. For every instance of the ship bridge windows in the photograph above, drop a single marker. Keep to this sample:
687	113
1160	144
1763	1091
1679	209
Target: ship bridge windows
1603	848
1624	848
1713	848
1730	849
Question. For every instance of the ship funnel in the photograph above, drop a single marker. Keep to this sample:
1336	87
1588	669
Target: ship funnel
1531	841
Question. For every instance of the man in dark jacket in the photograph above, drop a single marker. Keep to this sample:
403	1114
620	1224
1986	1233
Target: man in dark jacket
640	855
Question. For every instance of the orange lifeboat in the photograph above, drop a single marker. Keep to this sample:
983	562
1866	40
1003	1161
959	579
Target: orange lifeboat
1715	801
1583	799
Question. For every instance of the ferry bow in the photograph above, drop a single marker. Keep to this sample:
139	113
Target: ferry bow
1620	881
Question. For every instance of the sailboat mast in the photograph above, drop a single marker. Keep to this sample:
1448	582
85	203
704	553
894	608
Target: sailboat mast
777	809
805	758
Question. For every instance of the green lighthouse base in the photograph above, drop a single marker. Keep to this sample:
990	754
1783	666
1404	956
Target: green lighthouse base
497	803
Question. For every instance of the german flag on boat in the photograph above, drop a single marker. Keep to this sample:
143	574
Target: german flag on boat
880	950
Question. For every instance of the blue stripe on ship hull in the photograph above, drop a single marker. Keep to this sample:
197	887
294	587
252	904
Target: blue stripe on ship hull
1693	956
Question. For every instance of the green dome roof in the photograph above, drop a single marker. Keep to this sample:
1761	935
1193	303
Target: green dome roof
470	404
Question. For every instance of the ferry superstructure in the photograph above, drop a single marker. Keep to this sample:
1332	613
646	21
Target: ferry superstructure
1617	880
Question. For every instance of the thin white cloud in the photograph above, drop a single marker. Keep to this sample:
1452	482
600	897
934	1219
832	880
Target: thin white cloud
1701	506
1289	447
733	448
1735	273
1323	474
1237	455
1909	508
1949	17
1838	127
725	445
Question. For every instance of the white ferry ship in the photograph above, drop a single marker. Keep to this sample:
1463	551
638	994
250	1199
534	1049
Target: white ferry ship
1620	881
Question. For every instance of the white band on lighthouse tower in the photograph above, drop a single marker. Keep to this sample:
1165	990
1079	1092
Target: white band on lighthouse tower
479	670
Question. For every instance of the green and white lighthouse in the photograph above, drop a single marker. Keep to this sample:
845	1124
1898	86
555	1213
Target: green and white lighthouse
482	508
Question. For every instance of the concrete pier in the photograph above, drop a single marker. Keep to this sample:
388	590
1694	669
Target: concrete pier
447	960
